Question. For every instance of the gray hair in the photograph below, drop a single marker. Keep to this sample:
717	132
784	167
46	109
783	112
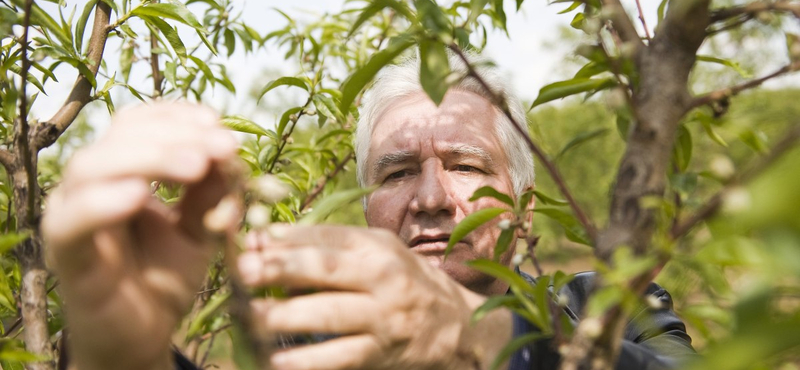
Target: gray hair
402	80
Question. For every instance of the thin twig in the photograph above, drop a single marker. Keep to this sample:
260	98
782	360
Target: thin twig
157	77
623	25
711	206
641	18
321	184
753	8
23	128
500	102
287	135
734	90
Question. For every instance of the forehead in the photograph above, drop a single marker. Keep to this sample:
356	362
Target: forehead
414	122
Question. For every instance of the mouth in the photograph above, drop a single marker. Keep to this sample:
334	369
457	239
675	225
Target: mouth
429	243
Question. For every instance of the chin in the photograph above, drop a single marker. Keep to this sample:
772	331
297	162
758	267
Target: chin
463	274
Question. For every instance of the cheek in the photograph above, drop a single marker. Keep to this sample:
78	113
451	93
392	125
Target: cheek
385	209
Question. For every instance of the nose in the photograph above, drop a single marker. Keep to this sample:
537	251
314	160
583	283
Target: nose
433	192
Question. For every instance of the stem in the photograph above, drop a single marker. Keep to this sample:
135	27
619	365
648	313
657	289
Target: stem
321	184
500	102
734	90
641	18
287	135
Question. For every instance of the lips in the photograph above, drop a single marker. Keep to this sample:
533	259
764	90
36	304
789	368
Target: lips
429	243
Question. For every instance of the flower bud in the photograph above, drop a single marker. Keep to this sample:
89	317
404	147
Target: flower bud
654	302
722	167
504	224
258	216
269	188
592	327
736	200
517	259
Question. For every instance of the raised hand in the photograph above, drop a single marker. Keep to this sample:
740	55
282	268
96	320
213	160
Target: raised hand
129	266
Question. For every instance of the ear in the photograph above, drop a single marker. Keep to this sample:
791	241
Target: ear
529	216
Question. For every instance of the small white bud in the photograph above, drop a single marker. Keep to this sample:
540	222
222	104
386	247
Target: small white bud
736	200
504	224
258	216
563	349
517	259
562	300
592	327
765	17
654	302
722	167
269	188
616	98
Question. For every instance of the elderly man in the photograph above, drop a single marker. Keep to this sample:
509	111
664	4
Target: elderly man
129	265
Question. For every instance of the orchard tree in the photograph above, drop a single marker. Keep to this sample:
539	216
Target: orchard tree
665	213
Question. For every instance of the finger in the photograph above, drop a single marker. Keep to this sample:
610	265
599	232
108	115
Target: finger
350	352
202	196
331	236
305	267
326	312
70	219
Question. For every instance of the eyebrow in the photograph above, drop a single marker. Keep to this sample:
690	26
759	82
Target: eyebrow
390	159
465	150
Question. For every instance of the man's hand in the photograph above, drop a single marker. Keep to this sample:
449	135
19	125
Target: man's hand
393	310
128	265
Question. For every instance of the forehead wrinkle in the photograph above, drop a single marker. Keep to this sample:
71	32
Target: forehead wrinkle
467	150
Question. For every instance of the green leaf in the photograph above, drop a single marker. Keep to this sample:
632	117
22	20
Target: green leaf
581	138
505	241
241	124
174	10
755	139
574	86
499	18
546	200
283	81
331	203
171	34
360	78
80	27
492	303
729	63
475	10
572	7
11	240
661	10
504	273
206	71
285	120
230	41
471	222
713	134
376	6
211	307
488	191
682	154
577	21
572	228
432	18
513	346
590	69
434	69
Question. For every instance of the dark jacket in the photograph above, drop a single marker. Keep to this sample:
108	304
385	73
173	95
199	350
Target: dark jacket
654	339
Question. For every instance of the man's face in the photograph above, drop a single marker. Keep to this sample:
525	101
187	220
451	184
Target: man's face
427	162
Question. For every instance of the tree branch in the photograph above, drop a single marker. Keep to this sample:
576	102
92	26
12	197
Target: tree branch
728	92
287	135
641	18
710	208
751	9
622	23
500	102
321	184
45	133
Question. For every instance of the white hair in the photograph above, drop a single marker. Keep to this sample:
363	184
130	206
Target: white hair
402	80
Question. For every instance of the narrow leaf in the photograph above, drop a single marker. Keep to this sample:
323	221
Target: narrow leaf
434	69
574	86
581	138
241	124
171	34
488	191
283	81
174	11
360	78
206	313
80	27
572	228
10	240
471	222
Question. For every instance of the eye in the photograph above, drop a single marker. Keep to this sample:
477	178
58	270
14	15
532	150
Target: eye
397	175
466	168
